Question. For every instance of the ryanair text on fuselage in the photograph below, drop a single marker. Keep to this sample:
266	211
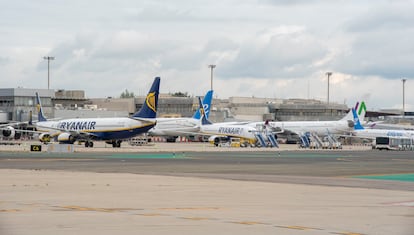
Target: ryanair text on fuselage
230	130
78	125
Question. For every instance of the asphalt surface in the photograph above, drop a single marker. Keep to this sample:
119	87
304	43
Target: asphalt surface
192	189
336	168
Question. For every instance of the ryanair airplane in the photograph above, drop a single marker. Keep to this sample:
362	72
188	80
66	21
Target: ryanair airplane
111	130
244	132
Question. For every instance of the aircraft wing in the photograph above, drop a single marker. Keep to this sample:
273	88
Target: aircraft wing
77	133
152	120
287	131
195	132
13	124
382	125
358	137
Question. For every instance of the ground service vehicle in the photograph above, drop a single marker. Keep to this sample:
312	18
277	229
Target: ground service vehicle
393	143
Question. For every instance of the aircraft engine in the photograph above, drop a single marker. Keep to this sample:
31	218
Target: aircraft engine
351	123
216	139
8	132
44	138
66	138
212	139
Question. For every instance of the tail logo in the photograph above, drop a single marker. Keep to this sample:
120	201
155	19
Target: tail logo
202	112
150	101
362	107
38	107
205	107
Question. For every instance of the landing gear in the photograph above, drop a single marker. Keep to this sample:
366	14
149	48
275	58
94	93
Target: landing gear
116	143
88	144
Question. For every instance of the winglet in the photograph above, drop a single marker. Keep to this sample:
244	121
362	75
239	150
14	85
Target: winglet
149	108
357	123
40	116
206	104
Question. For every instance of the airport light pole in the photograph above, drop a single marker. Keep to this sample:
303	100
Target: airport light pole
48	58
329	74
211	66
403	81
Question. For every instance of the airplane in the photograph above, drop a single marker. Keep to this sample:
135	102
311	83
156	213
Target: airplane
249	135
174	127
319	128
111	130
9	131
14	130
382	125
361	132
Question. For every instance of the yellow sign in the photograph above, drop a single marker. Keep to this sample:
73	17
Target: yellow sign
36	148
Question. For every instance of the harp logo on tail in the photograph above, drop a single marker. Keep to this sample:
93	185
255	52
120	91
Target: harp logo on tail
150	100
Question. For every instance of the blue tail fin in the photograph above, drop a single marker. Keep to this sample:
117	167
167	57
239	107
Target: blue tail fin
357	123
149	108
40	116
206	104
203	119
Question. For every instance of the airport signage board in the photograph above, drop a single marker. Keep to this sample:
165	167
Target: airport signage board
35	148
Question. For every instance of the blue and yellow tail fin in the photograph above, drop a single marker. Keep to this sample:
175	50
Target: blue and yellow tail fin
40	115
206	105
149	108
203	119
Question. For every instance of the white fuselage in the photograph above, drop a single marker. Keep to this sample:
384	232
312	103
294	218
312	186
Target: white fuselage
175	127
232	130
374	133
100	128
318	127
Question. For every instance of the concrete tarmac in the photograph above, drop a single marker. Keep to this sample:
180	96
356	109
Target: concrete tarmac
205	191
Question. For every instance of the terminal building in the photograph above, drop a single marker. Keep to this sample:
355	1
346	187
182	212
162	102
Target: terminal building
17	104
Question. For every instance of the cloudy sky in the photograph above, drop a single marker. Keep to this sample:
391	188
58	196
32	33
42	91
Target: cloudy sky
262	48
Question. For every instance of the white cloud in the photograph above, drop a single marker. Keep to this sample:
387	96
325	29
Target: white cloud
262	48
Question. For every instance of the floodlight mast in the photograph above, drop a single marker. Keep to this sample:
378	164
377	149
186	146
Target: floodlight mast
211	66
48	58
403	81
328	74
